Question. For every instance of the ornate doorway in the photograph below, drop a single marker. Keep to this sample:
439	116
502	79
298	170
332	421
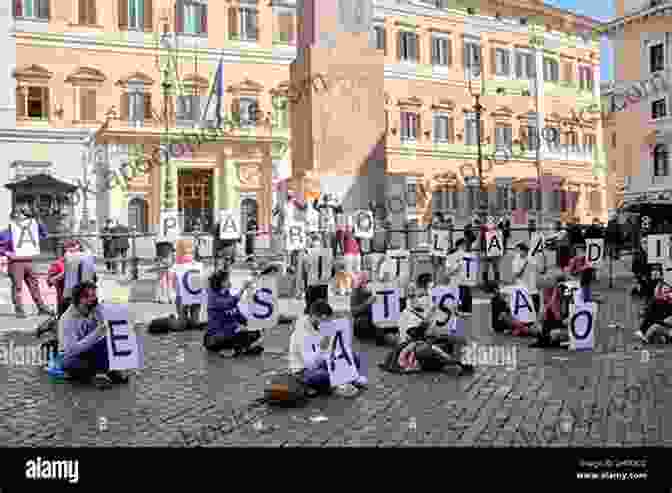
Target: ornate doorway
194	197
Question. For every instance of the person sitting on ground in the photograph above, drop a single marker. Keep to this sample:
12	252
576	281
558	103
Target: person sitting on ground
657	311
429	347
314	373
225	334
585	293
553	319
82	339
502	318
578	262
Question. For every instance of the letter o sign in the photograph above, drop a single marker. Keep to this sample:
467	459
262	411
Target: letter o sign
589	325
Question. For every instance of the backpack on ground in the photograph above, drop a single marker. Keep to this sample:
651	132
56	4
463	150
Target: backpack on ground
286	391
164	325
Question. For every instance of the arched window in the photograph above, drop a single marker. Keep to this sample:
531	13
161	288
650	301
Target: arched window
137	215
660	163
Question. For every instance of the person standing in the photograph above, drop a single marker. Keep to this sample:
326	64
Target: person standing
525	269
108	243
250	237
315	272
121	245
20	243
78	267
456	271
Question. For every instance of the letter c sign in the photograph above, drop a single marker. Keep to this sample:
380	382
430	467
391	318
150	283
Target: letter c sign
187	285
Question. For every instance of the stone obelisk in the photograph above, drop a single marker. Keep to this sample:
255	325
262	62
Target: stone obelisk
338	118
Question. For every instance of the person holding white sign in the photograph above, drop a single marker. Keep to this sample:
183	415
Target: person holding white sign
315	272
82	339
224	334
460	266
525	268
20	242
309	351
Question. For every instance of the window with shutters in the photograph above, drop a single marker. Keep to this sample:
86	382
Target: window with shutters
440	51
410	126
286	28
31	9
136	15
502	61
86	12
568	73
551	70
595	201
658	109
470	129
243	24
589	142
656	58
586	78
613	139
503	194
87	104
472	58
193	17
188	108
136	105
408	46
443	128
411	195
503	137
660	161
33	102
379	33
247	110
526	67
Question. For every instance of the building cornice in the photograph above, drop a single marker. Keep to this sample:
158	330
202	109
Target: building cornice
44	135
613	28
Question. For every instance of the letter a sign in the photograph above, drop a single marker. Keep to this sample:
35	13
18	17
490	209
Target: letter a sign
26	238
229	224
494	244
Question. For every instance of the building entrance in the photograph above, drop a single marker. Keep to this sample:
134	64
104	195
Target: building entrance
195	199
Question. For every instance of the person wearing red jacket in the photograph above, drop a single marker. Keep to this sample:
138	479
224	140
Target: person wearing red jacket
658	310
578	263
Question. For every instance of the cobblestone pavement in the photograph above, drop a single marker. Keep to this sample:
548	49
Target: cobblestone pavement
185	397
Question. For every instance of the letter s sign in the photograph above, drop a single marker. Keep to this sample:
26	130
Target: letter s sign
268	306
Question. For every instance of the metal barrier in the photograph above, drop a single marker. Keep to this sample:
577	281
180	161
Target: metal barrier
411	237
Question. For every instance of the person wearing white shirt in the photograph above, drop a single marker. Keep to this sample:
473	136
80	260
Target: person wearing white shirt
311	366
525	269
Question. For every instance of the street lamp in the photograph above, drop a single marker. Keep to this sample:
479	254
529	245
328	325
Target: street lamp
167	86
478	109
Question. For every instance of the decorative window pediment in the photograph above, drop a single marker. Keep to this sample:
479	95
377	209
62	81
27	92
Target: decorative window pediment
554	117
412	101
33	72
195	80
444	105
530	115
247	86
135	77
86	75
502	112
282	89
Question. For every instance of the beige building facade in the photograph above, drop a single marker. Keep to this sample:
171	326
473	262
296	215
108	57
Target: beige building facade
638	118
100	66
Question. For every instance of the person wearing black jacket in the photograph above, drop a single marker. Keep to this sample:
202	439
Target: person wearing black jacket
223	250
120	245
595	231
614	239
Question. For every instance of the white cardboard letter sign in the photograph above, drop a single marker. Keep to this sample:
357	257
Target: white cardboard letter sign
296	236
494	242
229	224
522	306
341	360
170	225
582	327
386	309
594	252
26	238
538	244
123	348
657	248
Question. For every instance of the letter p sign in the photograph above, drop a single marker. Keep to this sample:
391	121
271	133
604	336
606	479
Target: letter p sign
170	226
